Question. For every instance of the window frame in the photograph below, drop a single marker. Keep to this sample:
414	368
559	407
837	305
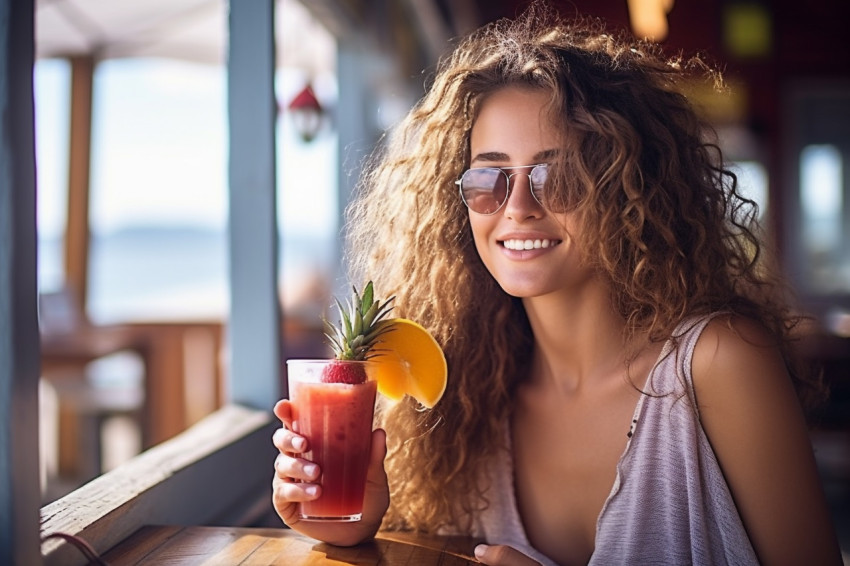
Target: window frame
19	340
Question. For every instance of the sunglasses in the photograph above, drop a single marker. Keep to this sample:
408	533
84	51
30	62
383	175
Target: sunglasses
486	189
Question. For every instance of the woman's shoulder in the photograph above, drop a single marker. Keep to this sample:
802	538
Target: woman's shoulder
753	420
738	364
731	346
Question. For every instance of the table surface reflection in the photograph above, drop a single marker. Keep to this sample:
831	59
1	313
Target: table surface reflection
232	546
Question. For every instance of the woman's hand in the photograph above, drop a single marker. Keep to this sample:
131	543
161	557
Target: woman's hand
502	555
292	485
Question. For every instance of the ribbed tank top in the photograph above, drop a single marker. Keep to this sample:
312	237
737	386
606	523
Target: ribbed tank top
670	504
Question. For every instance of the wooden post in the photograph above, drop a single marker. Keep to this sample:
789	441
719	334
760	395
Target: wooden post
79	167
20	494
255	320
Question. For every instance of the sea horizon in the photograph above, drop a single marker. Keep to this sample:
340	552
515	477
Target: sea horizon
140	273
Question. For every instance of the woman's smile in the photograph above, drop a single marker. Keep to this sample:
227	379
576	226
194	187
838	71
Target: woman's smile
529	244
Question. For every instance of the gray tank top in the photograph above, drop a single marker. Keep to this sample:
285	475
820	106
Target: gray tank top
669	504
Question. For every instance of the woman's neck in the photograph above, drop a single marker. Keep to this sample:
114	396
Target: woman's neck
579	339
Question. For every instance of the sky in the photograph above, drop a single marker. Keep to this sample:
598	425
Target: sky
159	159
159	149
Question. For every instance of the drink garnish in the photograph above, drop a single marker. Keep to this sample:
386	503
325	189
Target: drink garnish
406	358
356	335
411	362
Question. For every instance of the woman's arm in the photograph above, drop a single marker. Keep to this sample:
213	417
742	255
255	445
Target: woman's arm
752	417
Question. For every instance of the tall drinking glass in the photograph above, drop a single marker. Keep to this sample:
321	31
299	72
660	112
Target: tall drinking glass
336	419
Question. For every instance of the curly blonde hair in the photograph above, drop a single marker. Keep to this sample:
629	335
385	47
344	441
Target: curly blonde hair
661	218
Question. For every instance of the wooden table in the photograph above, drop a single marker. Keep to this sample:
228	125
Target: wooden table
181	363
232	546
64	356
77	348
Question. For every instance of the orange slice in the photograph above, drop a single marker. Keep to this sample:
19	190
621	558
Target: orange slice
410	362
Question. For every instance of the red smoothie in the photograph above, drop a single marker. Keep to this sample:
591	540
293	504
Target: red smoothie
336	419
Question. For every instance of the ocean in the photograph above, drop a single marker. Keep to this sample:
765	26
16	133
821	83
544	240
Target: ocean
168	273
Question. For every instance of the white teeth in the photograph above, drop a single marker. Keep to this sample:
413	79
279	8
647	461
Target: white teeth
529	244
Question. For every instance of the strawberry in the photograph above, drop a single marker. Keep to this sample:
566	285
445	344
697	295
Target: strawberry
339	371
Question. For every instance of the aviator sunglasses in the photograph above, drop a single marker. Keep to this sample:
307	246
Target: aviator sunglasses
486	189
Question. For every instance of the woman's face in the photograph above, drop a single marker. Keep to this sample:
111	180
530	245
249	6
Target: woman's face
512	129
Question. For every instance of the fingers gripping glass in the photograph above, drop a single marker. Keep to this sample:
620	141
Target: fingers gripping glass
485	189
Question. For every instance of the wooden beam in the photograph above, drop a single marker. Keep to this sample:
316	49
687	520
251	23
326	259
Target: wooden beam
79	168
19	343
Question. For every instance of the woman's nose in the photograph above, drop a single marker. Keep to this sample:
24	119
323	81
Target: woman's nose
521	204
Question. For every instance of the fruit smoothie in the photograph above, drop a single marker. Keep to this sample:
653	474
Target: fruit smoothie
336	419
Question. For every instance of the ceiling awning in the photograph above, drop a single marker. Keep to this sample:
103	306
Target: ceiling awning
191	30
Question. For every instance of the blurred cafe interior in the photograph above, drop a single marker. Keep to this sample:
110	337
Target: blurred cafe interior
192	162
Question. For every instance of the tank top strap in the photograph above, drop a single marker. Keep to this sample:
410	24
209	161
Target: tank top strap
672	374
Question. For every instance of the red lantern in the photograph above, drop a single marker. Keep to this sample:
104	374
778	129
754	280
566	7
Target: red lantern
307	113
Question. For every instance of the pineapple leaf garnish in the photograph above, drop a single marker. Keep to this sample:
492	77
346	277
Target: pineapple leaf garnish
360	327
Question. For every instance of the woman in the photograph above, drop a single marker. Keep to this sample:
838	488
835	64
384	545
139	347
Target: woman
621	389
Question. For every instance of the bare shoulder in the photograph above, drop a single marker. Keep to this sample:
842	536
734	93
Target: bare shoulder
745	396
755	425
736	357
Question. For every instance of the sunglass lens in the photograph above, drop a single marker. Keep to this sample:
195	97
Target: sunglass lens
484	190
538	182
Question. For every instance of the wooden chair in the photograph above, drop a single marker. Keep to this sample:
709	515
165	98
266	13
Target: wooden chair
96	373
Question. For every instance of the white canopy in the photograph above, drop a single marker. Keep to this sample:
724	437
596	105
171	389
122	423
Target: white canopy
193	30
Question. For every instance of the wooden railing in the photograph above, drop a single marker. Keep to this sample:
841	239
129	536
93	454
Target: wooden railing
216	472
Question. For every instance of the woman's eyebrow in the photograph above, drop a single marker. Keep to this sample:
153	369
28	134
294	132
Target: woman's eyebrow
544	155
491	156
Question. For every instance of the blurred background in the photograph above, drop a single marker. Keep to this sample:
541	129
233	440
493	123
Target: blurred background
132	148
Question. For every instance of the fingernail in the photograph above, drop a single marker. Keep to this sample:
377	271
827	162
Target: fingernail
276	437
310	470
299	443
311	490
480	550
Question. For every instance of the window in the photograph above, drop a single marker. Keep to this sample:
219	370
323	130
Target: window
307	200
158	218
825	235
308	213
51	85
817	210
158	194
